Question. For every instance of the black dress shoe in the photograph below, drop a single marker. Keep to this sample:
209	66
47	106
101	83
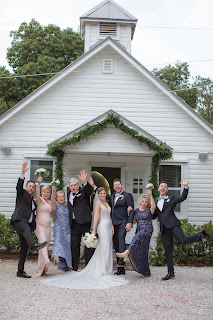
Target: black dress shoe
22	274
169	276
205	235
39	246
120	271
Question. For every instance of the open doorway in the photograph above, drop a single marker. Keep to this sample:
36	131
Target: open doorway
104	176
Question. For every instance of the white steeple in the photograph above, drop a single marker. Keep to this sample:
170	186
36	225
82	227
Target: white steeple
107	20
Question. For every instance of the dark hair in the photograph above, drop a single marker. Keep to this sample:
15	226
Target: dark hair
30	181
101	189
163	182
117	180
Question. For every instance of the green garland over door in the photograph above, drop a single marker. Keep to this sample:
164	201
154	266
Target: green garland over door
56	149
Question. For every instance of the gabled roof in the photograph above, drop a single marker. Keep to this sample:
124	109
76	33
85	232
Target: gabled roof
108	9
89	54
128	123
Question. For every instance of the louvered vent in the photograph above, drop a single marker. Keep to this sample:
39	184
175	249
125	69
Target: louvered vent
107	29
107	66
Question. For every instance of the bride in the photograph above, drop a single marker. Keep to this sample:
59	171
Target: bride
98	274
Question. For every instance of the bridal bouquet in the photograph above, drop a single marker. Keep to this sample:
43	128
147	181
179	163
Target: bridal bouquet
90	240
55	183
41	172
150	186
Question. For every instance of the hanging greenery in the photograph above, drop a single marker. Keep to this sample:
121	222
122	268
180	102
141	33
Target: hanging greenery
56	149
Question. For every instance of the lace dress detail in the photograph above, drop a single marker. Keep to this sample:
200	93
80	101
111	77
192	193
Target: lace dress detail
139	247
98	274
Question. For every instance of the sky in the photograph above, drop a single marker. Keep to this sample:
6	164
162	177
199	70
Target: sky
167	31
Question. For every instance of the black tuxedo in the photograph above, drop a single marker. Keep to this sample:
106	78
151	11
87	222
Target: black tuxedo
170	227
20	221
120	218
82	222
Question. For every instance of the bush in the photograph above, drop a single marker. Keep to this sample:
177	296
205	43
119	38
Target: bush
9	239
184	254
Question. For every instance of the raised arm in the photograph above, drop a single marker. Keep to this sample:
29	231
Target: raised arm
38	200
153	205
53	201
96	217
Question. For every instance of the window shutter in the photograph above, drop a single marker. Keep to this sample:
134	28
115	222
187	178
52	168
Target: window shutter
107	29
107	66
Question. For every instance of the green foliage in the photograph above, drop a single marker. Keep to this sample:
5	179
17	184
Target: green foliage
36	50
205	98
56	149
177	78
8	236
183	254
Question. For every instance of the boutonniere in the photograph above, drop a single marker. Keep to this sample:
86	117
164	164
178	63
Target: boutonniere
166	198
121	197
78	194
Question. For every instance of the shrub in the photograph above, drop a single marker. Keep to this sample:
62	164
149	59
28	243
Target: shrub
9	239
185	253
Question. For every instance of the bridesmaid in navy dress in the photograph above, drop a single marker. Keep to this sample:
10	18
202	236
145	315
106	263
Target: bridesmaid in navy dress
138	250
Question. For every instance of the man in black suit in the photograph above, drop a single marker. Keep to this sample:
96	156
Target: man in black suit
170	226
120	201
23	220
80	215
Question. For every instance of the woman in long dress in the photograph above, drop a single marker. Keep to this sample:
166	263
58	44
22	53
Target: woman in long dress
61	252
138	250
98	274
43	226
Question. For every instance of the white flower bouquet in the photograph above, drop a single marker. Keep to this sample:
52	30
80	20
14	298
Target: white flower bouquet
150	186
41	172
90	240
55	183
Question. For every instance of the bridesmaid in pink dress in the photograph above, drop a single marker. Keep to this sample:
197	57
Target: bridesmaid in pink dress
43	228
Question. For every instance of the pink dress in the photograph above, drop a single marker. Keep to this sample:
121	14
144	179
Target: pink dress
43	233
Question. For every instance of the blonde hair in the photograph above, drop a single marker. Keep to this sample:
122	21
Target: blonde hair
46	188
146	196
60	191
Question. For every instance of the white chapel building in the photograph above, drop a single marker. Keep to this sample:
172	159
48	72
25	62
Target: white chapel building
107	81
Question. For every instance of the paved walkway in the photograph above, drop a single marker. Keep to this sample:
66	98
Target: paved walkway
189	296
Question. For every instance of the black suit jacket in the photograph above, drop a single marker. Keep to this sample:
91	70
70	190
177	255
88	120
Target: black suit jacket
81	205
119	210
23	209
167	216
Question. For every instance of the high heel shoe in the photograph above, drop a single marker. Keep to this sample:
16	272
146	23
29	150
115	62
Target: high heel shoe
122	255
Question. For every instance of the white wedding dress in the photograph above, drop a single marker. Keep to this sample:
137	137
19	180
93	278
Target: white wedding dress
98	274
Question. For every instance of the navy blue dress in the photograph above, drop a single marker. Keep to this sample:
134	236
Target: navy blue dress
139	246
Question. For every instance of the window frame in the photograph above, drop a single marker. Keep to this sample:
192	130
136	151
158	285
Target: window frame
183	213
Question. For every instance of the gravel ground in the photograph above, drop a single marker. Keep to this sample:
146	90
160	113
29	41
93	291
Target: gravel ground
188	296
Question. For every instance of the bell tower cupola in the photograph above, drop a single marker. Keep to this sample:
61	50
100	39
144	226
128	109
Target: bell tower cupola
107	20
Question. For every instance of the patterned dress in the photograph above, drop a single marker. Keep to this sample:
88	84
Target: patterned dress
139	246
62	243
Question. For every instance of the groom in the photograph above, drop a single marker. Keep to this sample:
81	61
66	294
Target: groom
170	226
120	201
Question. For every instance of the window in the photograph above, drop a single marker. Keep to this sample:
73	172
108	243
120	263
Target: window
171	174
107	29
47	164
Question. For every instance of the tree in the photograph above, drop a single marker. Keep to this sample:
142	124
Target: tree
177	78
36	50
205	98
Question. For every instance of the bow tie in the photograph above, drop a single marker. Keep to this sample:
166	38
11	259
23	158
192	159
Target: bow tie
160	198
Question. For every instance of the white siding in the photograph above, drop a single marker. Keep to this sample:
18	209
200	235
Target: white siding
87	93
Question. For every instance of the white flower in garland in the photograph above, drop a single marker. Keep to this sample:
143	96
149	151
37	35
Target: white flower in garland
150	186
90	240
55	183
